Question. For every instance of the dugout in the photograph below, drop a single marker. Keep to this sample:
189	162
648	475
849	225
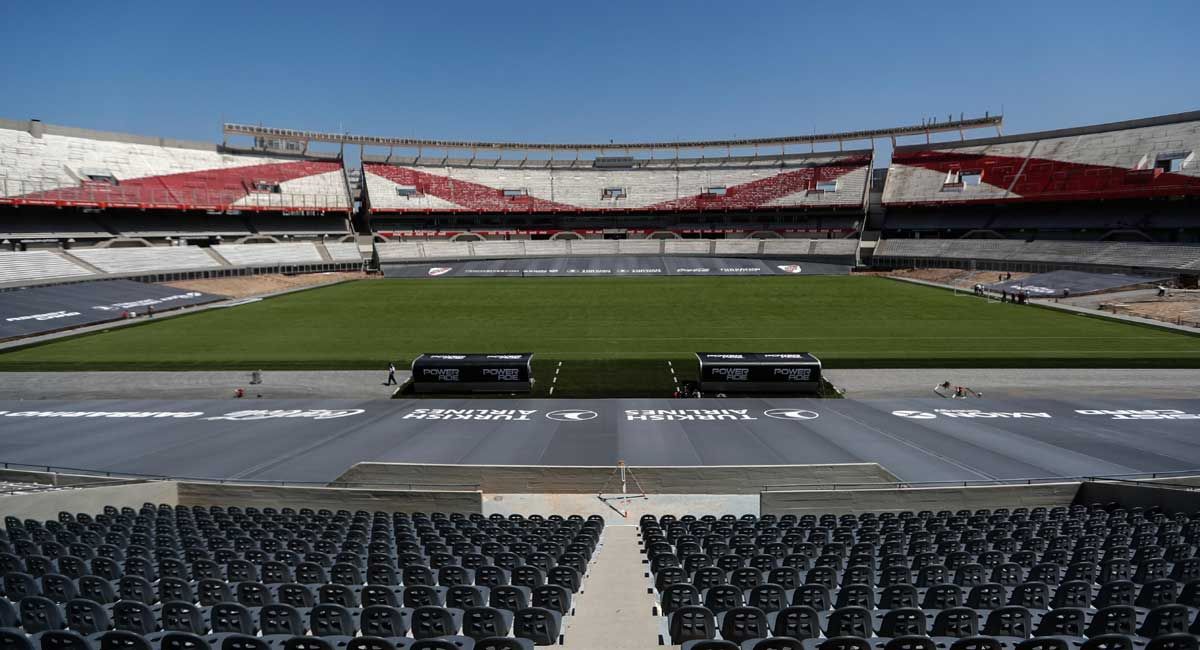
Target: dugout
759	372
446	372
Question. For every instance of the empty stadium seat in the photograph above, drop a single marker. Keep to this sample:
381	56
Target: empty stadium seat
767	183
66	167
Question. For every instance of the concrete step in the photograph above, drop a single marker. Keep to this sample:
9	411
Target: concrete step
613	611
216	256
75	260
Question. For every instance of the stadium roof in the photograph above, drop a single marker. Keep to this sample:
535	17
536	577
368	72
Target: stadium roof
926	129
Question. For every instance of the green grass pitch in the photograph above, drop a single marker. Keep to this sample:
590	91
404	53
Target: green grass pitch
591	324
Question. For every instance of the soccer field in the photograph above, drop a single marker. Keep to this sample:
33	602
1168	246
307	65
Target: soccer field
846	321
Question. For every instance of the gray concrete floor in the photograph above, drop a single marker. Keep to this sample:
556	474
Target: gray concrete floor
614	611
276	384
1095	300
1020	382
366	384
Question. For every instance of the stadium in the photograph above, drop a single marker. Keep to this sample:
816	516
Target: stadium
928	386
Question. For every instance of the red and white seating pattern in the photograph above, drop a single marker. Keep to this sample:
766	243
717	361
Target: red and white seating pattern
55	170
655	186
1117	161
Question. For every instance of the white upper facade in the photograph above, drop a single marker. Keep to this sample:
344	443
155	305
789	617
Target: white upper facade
821	181
56	167
1156	157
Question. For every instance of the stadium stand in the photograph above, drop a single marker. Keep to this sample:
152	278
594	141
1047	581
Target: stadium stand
159	226
150	259
268	254
432	250
498	249
200	578
1137	180
399	251
834	246
15	226
639	246
308	226
1023	578
1048	253
593	247
58	166
737	246
787	246
826	180
31	266
546	247
1154	157
343	251
687	246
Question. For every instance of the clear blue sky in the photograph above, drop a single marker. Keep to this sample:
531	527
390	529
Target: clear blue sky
572	71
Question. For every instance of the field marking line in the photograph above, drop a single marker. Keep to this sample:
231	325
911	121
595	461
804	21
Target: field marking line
551	390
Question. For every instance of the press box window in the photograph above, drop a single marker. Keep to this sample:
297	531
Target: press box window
827	186
265	187
407	191
1173	163
954	181
515	193
612	193
715	191
102	177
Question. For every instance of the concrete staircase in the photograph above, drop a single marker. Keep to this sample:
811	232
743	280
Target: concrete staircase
613	611
216	256
75	260
323	252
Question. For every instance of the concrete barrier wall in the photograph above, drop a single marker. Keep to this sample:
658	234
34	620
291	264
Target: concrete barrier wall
55	478
1139	496
621	511
259	496
529	479
91	500
917	499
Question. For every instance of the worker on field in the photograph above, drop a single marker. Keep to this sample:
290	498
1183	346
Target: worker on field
1162	291
391	380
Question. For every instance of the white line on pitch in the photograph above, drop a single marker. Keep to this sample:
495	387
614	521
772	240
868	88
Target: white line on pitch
551	390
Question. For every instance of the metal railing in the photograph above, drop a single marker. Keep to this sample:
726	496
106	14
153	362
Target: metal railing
982	482
925	128
134	477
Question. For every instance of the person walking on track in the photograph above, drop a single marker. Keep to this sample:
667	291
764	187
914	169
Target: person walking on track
391	380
